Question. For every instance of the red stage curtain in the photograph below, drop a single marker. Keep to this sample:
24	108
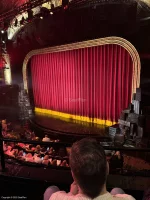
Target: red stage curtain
95	82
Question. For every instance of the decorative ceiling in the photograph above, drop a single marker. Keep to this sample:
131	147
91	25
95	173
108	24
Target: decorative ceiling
146	1
143	10
6	5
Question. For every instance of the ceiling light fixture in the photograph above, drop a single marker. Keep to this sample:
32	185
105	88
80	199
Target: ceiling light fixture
16	23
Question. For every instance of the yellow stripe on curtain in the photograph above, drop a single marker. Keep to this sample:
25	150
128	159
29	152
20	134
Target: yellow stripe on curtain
73	117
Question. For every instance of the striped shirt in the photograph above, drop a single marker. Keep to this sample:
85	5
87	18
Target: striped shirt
61	195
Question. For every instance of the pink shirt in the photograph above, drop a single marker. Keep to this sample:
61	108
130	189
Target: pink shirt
61	195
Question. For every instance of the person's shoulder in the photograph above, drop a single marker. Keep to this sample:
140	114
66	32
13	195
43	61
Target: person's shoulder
123	197
59	194
62	195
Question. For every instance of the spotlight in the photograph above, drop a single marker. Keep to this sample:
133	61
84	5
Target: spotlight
22	21
16	23
3	42
51	13
30	15
2	31
52	6
41	17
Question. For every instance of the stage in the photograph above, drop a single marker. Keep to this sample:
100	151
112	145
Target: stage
68	128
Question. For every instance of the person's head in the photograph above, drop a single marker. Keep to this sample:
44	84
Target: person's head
89	166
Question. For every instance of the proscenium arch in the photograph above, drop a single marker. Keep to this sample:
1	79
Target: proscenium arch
91	43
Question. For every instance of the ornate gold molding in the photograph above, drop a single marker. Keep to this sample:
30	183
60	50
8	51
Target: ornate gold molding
91	43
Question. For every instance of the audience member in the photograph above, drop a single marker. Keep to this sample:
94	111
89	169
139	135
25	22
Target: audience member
89	170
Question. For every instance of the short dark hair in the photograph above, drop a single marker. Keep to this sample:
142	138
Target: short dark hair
89	166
